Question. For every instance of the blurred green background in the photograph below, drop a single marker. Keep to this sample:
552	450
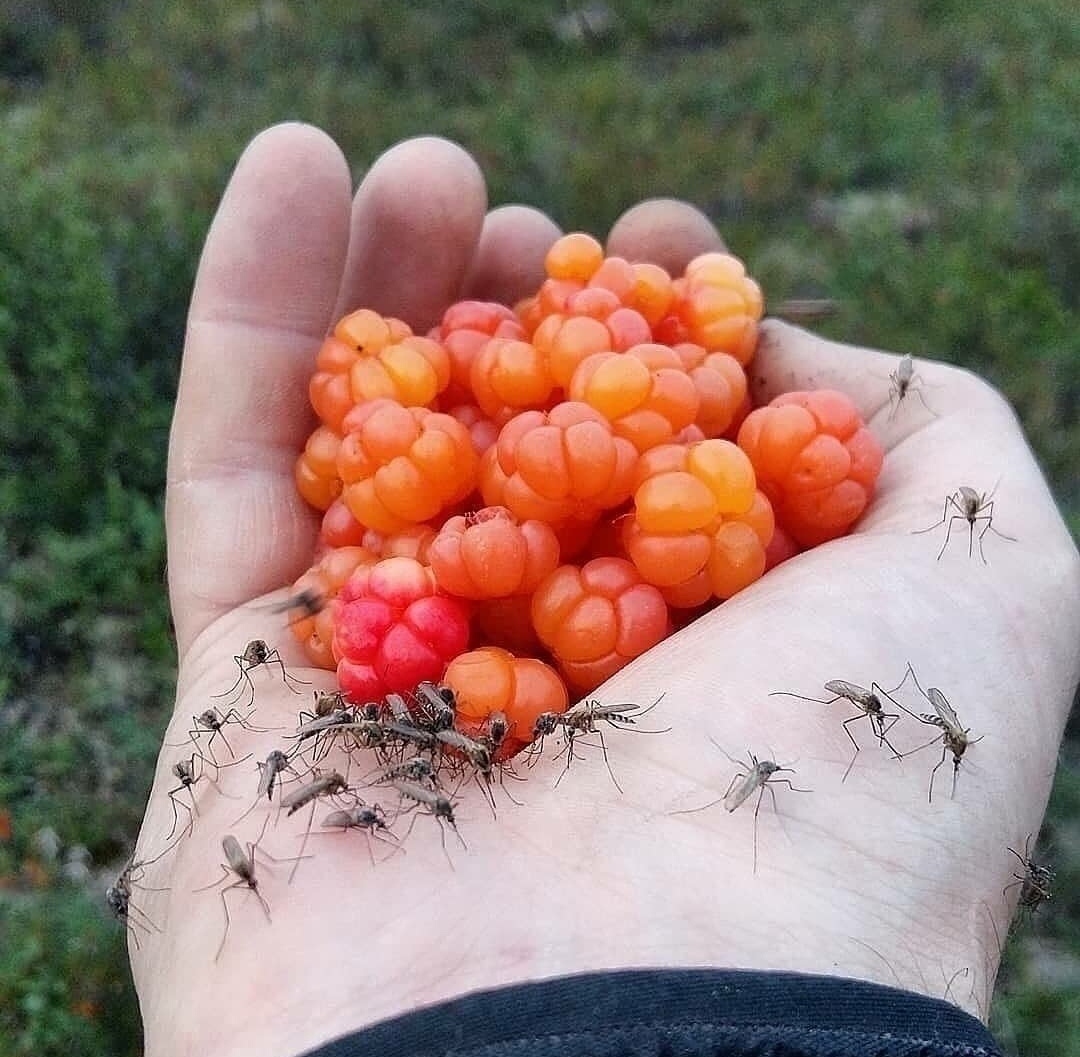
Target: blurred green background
919	162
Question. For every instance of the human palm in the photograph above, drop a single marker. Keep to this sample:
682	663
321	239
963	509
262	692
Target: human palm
861	877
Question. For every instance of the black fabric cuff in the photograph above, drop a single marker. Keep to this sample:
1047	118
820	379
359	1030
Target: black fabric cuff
678	1013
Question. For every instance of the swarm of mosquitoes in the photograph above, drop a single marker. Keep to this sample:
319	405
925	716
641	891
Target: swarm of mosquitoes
410	754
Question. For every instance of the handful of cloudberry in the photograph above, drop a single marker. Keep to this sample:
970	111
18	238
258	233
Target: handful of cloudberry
520	502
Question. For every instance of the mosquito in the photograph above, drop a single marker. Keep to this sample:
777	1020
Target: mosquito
954	738
189	775
270	770
439	807
369	818
1036	882
118	899
309	601
972	507
257	654
478	755
583	718
439	705
214	721
330	784
758	775
870	707
241	865
905	380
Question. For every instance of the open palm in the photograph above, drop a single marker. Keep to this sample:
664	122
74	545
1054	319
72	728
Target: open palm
861	877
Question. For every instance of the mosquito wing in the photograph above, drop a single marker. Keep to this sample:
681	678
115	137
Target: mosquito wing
742	789
852	691
944	710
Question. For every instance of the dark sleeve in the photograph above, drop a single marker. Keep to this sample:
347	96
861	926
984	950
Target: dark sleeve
678	1013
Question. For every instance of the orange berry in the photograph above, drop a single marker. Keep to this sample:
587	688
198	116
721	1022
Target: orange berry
597	618
568	456
574	256
567	340
414	371
510	375
465	329
316	475
685	489
653	292
403	465
816	461
716	561
644	393
359	334
489	555
720	305
720	382
490	679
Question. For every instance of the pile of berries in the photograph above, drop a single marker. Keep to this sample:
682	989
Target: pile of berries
522	501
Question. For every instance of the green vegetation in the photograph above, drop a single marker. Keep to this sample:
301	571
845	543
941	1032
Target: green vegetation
918	162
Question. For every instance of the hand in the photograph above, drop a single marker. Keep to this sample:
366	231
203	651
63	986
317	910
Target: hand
861	878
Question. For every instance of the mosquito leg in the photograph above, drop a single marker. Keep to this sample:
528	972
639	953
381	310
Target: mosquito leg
851	738
603	749
948	533
176	815
225	904
930	795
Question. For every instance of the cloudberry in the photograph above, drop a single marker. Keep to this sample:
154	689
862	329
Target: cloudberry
466	328
720	382
597	618
574	256
393	629
684	489
491	680
567	340
316	474
719	305
489	555
509	374
403	465
717	561
559	464
361	333
645	393
815	460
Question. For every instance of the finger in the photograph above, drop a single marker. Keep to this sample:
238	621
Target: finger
509	261
266	285
416	221
664	231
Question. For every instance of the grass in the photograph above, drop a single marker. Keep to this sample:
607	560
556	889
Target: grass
919	163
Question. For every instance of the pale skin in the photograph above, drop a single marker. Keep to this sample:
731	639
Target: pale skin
862	879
